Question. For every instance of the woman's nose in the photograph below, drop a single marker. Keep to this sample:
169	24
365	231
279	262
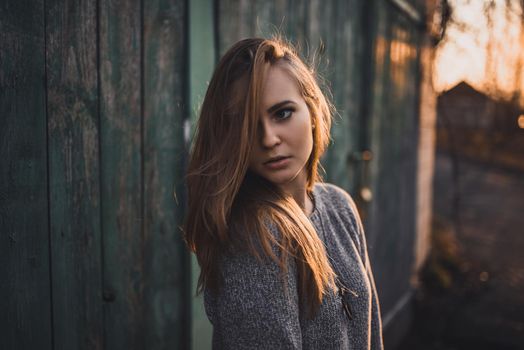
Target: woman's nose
270	136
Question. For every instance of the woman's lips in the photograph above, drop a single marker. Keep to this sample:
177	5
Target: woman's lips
278	163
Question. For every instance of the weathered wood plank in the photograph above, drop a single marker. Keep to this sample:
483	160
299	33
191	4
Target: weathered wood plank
377	223
343	44
165	285
74	191
265	25
319	38
395	142
24	248
120	34
323	39
295	22
202	57
230	24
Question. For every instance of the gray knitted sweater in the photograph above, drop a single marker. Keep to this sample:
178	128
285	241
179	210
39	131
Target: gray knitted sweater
253	311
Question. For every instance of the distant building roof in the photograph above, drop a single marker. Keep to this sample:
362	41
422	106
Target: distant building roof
464	106
464	88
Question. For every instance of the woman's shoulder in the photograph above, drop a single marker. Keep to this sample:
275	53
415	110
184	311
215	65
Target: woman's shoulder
333	195
250	251
330	188
332	200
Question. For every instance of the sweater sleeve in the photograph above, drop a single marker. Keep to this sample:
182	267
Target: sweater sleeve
376	320
253	309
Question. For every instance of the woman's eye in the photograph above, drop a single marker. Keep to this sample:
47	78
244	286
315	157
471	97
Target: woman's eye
284	114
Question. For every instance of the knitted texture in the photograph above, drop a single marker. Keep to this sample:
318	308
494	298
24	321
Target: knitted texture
255	310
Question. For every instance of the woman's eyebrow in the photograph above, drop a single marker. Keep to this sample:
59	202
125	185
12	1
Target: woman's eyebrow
278	105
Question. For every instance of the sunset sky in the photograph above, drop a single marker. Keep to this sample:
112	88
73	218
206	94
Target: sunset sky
464	56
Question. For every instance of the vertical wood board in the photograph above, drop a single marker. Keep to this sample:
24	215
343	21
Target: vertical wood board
24	248
74	191
202	57
120	35
164	62
395	142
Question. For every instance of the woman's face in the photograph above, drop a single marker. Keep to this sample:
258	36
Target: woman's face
284	138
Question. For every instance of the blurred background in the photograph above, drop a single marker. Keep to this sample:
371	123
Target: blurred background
98	102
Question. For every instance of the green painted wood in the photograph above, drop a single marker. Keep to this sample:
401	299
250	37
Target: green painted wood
226	29
295	22
345	58
363	168
241	19
232	17
74	193
166	291
265	24
122	200
202	55
201	64
395	140
26	319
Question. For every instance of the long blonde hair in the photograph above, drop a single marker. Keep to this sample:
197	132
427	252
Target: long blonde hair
229	206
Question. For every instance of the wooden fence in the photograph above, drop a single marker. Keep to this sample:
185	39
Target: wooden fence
97	100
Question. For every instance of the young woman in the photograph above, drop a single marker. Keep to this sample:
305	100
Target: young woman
283	257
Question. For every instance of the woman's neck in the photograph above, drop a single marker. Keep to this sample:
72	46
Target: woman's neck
300	195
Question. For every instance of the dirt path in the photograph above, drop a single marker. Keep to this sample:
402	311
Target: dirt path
484	306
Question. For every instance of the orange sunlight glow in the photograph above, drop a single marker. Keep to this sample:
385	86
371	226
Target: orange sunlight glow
486	59
521	121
